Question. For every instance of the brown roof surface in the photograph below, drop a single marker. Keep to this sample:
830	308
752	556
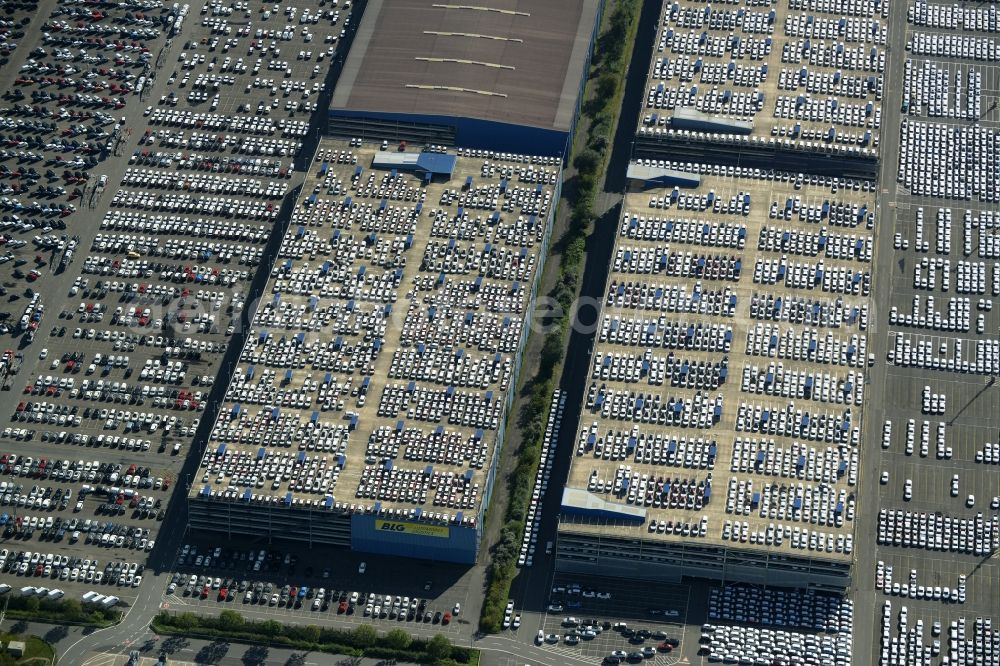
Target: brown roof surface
516	61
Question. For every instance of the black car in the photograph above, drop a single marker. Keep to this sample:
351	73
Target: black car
437	617
634	657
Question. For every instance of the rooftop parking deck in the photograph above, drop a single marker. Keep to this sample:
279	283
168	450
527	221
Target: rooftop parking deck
801	74
727	378
378	368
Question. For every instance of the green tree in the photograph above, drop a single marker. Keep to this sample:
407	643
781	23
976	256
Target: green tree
552	350
230	620
32	604
311	633
605	87
439	647
586	161
364	636
398	639
270	628
186	621
598	141
73	608
586	185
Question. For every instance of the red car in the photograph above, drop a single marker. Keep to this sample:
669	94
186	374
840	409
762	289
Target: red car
447	618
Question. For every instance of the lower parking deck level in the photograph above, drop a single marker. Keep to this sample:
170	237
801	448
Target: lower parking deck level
628	557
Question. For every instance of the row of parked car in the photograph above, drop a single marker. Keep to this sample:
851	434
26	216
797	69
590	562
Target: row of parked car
316	599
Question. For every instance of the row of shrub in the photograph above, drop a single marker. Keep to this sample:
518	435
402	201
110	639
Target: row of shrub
611	52
60	611
362	641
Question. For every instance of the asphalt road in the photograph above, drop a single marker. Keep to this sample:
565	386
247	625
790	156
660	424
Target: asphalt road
530	589
496	650
863	591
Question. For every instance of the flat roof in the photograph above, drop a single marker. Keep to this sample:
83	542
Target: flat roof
380	359
653	175
511	61
672	419
420	163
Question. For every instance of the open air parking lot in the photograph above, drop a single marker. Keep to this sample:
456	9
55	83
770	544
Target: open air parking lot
738	309
301	585
121	335
610	618
693	622
786	365
934	571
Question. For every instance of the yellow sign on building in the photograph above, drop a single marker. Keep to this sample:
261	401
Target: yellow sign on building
438	531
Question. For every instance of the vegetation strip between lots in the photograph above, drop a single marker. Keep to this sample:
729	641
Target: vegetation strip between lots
600	109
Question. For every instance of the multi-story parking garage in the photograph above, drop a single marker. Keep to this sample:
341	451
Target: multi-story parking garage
720	430
795	86
369	405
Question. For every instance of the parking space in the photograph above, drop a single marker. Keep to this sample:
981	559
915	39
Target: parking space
597	618
377	374
951	89
766	625
62	117
532	526
302	585
158	222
